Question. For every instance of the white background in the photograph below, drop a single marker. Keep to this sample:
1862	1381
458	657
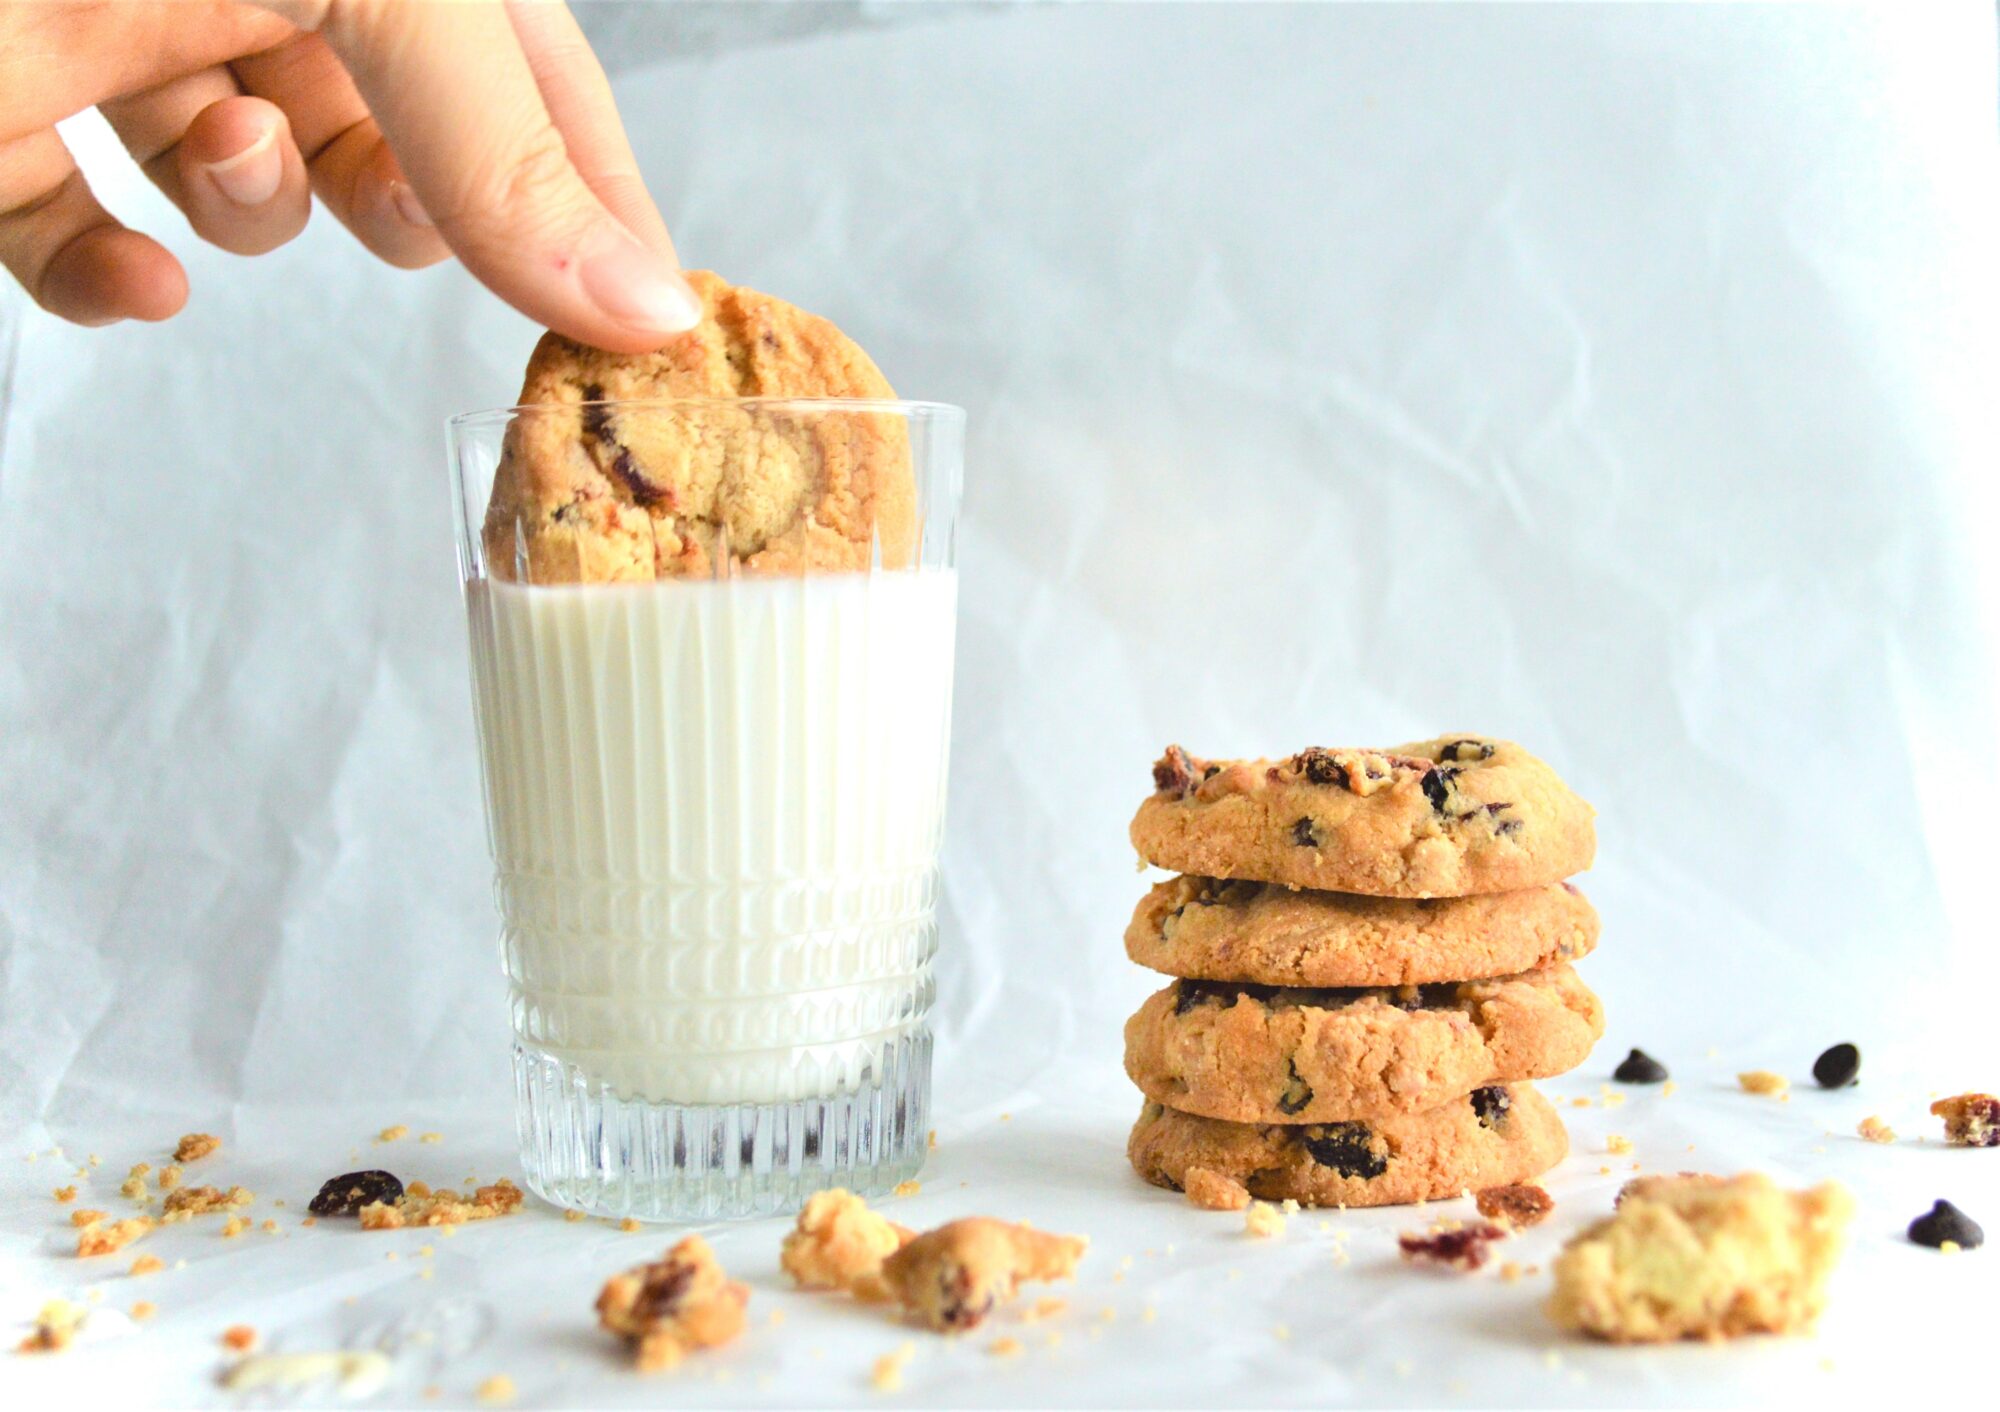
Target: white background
1617	379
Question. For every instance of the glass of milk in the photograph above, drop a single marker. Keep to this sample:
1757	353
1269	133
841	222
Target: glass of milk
714	805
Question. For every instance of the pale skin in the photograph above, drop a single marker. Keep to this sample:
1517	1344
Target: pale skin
429	128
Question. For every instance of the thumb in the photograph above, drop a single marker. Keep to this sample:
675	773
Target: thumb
455	97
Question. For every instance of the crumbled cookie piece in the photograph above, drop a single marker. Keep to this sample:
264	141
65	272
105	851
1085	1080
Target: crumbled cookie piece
1457	1248
672	1306
909	1188
1520	1205
1617	1144
199	1200
55	1328
1970	1119
64	1194
195	1146
1764	1082
234	1227
1004	1347
395	1133
887	1373
1695	1258
84	1216
101	1237
1873	1129
146	1265
168	1178
441	1208
144	1309
1645	1186
838	1243
952	1277
1212	1191
1263	1219
495	1390
239	1338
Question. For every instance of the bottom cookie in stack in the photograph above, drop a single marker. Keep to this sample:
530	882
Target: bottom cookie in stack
1494	1136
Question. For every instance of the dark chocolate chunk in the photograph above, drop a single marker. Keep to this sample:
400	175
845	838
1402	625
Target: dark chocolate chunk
1491	1104
1305	834
1945	1222
346	1194
1298	1093
1464	751
1319	767
1639	1067
1838	1067
1188	994
1347	1148
1437	785
596	419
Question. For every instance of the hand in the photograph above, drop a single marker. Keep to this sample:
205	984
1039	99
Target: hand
485	130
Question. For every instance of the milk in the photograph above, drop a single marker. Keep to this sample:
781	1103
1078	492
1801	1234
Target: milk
714	810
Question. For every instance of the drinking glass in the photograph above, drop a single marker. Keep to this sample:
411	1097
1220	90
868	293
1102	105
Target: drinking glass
714	798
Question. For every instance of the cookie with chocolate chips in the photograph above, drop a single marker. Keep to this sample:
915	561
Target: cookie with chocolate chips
1451	817
1270	1054
594	486
1215	929
1491	1137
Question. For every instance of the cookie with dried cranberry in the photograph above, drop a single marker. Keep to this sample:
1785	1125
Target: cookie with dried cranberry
1271	1054
591	488
1492	1137
1216	929
1450	817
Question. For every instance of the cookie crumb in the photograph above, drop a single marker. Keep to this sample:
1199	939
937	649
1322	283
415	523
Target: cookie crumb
1668	1088
1281	1332
1873	1129
1004	1347
194	1146
887	1374
233	1227
908	1188
1212	1191
101	1238
84	1216
930	1140
1764	1082
146	1265
1970	1119
55	1328
1520	1205
1579	1103
496	1389
1509	1272
199	1200
430	1137
1263	1219
630	1225
239	1338
168	1177
144	1309
64	1194
1617	1144
1047	1307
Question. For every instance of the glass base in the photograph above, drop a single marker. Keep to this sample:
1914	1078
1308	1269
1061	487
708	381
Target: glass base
585	1148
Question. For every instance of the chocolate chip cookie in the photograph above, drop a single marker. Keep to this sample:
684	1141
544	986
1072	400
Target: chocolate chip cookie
1268	1054
1215	929
1449	817
1492	1137
593	488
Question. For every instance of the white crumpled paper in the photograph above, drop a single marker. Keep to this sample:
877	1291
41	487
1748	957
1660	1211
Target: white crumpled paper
1617	379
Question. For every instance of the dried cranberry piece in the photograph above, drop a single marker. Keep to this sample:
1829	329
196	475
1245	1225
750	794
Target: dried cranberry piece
1305	834
666	1282
1491	1104
1319	767
1174	772
345	1195
1463	1249
1347	1148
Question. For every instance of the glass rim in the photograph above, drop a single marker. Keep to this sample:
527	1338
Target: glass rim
889	405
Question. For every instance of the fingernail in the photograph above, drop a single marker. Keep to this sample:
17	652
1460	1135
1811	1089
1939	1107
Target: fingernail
407	205
639	289
251	177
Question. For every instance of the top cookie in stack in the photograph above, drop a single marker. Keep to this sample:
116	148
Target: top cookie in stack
1373	952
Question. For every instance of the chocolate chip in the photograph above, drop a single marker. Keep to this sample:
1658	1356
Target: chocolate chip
1437	785
1466	750
1491	1104
1838	1067
1639	1067
962	1308
1188	994
596	419
1173	772
346	1194
1347	1148
1945	1222
1319	767
1305	834
1298	1093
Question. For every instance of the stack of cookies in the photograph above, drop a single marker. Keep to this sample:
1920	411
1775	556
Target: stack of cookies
1372	954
